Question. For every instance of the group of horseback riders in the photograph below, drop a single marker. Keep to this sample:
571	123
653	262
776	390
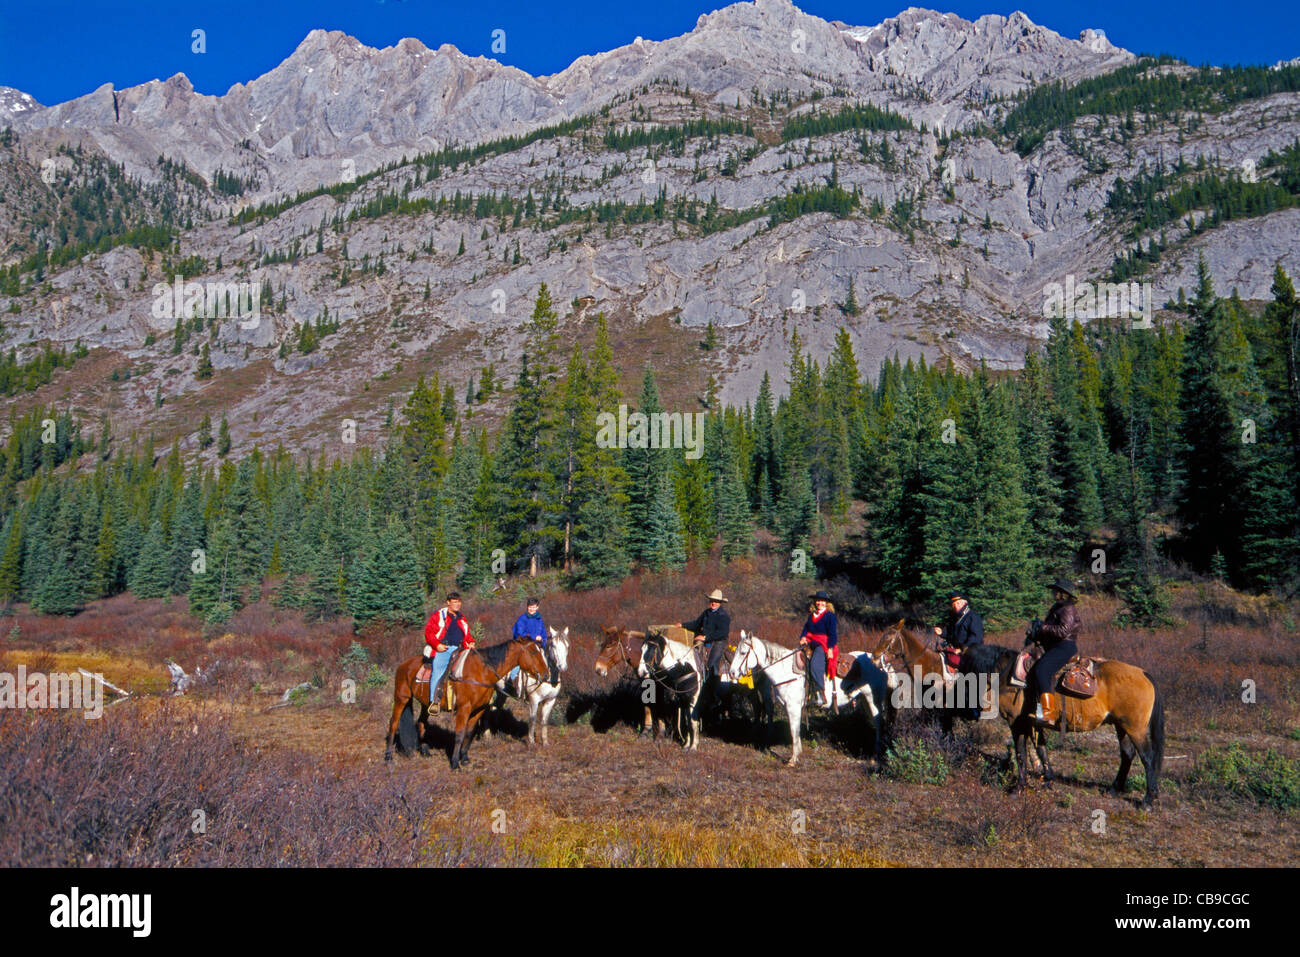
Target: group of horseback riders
1056	635
448	632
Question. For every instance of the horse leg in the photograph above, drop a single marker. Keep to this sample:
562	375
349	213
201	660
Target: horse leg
532	720
459	742
794	712
422	727
398	705
1022	758
475	716
1127	750
693	724
1143	746
1040	745
545	717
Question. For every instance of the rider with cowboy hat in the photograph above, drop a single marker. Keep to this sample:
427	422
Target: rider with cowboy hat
821	634
1057	634
964	628
711	628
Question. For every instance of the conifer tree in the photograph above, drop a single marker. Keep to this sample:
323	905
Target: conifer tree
664	547
1216	374
151	576
388	586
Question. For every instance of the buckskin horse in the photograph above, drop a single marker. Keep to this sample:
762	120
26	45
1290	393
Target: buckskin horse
1126	697
473	690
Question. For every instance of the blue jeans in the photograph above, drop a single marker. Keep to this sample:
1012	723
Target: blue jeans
817	666
439	667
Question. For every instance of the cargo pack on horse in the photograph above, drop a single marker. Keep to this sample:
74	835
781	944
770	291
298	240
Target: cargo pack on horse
473	684
1122	695
540	694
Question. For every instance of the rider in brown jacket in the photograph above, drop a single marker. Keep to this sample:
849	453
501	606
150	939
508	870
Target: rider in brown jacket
1057	634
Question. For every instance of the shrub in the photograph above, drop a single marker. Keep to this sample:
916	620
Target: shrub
1269	777
917	762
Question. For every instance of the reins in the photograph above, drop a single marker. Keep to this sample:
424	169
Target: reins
771	664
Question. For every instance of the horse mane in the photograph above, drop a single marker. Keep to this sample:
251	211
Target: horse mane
495	655
773	648
990	659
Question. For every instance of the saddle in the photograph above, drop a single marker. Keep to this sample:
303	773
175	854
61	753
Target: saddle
801	660
1079	677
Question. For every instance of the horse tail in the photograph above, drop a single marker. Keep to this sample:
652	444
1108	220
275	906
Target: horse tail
407	733
1156	731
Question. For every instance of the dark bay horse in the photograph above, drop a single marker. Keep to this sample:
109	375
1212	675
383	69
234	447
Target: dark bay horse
900	651
1126	698
620	647
473	690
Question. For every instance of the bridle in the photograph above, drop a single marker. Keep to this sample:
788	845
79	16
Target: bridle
548	655
497	676
625	651
753	645
661	646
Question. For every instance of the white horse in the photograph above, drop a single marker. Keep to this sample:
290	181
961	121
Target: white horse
541	695
778	664
674	654
790	685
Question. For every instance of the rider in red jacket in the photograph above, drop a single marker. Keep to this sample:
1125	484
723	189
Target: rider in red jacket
445	633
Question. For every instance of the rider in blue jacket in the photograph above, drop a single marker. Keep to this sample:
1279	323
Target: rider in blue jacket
531	625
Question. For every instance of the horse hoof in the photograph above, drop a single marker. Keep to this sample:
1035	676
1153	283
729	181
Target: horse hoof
388	755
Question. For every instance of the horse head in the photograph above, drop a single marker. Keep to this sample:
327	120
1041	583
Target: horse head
898	650
560	649
653	648
528	655
745	657
608	650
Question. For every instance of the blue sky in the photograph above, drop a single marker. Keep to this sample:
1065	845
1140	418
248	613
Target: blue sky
58	49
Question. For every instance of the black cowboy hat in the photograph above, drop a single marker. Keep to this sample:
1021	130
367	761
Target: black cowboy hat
956	592
821	596
1062	585
532	600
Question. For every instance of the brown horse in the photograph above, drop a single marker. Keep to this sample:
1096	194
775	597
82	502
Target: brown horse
473	691
899	650
1126	698
623	647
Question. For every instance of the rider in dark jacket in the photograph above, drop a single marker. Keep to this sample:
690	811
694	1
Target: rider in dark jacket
711	629
964	627
1058	636
821	635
